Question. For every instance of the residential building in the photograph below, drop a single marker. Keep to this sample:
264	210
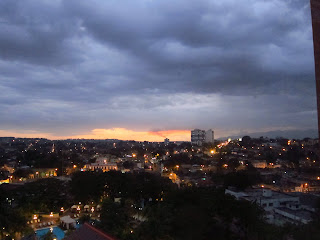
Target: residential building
198	136
209	136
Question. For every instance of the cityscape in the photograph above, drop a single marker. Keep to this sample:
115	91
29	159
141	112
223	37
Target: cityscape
160	120
117	186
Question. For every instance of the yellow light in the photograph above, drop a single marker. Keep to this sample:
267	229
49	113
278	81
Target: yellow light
35	217
51	214
318	178
262	186
133	155
212	152
74	166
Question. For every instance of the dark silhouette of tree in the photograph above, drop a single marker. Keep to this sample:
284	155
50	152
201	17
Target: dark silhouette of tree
241	179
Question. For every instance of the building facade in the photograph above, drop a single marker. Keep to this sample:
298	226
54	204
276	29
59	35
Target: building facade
198	136
209	136
101	164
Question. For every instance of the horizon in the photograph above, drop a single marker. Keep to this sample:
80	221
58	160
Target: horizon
161	137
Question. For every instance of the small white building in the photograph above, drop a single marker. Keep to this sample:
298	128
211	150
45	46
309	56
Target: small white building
67	222
259	163
102	164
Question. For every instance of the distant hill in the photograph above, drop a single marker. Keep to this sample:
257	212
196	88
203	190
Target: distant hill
290	134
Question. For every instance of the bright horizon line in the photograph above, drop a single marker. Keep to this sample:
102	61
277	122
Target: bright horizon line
113	133
125	134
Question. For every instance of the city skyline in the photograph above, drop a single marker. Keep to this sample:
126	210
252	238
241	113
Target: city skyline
70	69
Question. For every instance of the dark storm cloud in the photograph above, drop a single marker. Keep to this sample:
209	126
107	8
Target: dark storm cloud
209	46
134	63
36	31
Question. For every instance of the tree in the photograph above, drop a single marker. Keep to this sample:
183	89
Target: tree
241	179
114	219
87	186
48	236
84	218
23	173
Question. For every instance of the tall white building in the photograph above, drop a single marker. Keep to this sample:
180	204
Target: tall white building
198	136
209	136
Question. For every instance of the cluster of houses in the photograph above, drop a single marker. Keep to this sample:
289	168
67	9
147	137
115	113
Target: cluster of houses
280	208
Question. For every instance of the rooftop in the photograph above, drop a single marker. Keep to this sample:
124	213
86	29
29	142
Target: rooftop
87	231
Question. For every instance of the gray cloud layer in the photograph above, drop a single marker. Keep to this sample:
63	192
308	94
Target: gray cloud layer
68	66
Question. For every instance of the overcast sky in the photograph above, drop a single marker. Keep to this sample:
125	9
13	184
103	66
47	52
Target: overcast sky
149	69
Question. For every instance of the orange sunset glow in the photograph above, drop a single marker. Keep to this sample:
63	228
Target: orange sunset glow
112	133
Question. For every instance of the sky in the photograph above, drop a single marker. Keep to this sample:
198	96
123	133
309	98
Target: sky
150	69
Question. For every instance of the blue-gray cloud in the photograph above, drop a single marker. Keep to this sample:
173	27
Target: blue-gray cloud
68	66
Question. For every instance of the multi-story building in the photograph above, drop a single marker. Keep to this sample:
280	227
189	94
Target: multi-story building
209	136
198	136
